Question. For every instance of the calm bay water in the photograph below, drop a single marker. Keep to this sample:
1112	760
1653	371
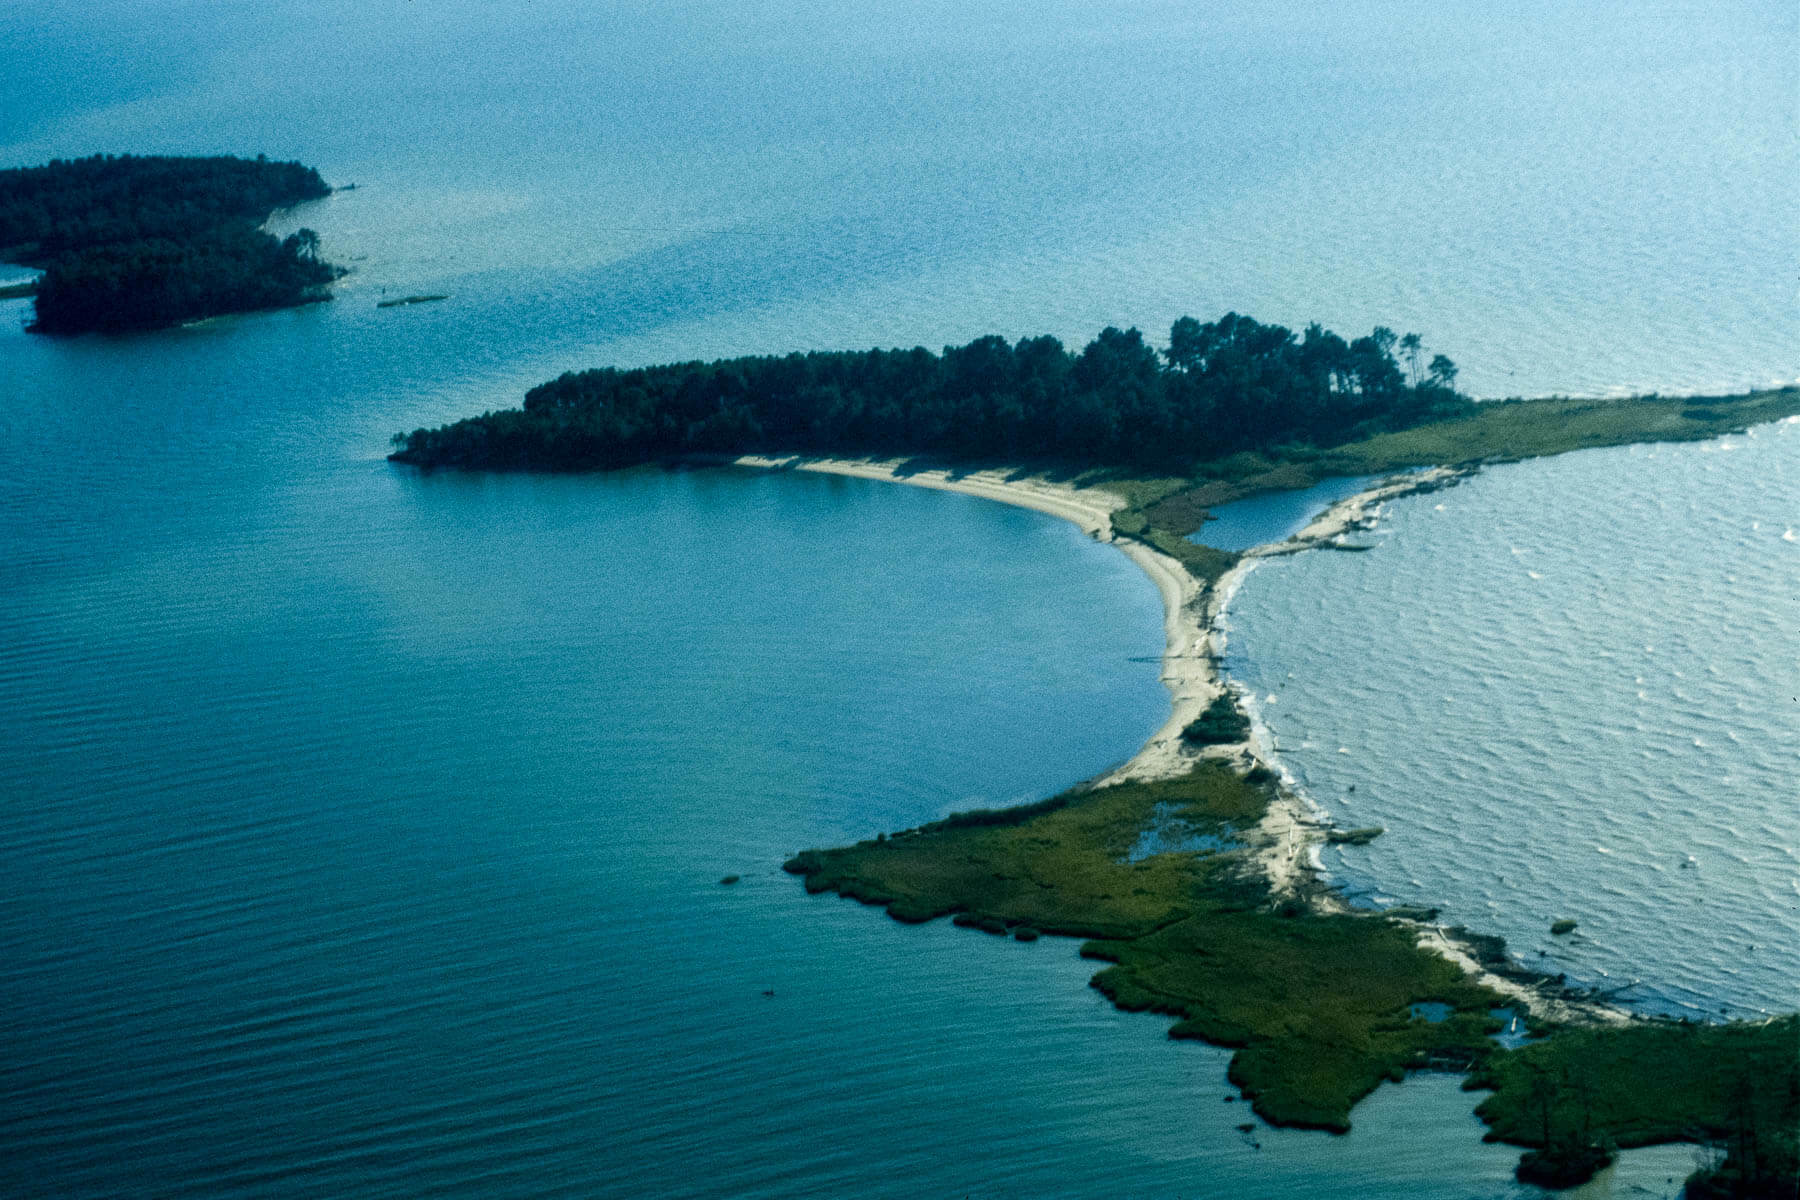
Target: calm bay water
362	830
1277	516
1579	199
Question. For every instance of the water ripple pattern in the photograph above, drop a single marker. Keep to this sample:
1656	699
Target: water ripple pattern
1568	688
361	831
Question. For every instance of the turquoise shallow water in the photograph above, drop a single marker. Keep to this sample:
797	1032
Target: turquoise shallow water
361	830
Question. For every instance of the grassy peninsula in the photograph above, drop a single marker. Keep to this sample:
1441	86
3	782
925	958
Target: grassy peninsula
141	242
1166	511
1736	1086
1233	936
1319	1004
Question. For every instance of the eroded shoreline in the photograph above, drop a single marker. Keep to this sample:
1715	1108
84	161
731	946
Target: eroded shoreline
1242	939
1285	845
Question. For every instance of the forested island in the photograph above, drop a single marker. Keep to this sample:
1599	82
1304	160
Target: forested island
1220	387
1230	408
1321	1002
129	242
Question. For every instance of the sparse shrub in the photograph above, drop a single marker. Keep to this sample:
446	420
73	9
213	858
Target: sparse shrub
1220	725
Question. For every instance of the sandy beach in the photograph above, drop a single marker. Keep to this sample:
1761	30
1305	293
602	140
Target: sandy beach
1192	616
1288	840
1187	668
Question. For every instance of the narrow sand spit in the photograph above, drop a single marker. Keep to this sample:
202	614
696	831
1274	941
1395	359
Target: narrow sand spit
1288	839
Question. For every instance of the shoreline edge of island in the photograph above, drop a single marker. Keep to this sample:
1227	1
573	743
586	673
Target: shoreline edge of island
1287	842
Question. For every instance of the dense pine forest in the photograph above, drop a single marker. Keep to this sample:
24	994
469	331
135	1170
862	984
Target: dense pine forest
1218	388
134	242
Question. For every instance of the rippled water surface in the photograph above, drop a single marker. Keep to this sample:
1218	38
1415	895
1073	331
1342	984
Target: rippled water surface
1567	689
1590	198
361	831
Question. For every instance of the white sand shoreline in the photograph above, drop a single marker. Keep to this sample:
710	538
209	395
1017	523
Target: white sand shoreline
1187	669
1288	840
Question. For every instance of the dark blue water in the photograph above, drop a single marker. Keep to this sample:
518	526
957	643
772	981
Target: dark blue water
361	831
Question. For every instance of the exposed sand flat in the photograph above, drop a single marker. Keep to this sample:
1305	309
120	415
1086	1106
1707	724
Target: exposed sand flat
1287	841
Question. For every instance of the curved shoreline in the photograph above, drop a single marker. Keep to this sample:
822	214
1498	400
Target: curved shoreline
1301	827
1188	669
1286	843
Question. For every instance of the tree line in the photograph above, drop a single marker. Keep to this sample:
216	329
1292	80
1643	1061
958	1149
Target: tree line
1219	387
136	242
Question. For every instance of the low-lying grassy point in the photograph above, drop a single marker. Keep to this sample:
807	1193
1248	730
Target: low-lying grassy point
1318	1004
1321	1004
1588	1091
1165	512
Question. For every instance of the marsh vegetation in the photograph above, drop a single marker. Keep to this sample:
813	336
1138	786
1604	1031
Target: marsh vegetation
1321	1005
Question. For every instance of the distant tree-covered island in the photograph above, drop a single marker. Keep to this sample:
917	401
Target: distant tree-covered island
1220	387
130	242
